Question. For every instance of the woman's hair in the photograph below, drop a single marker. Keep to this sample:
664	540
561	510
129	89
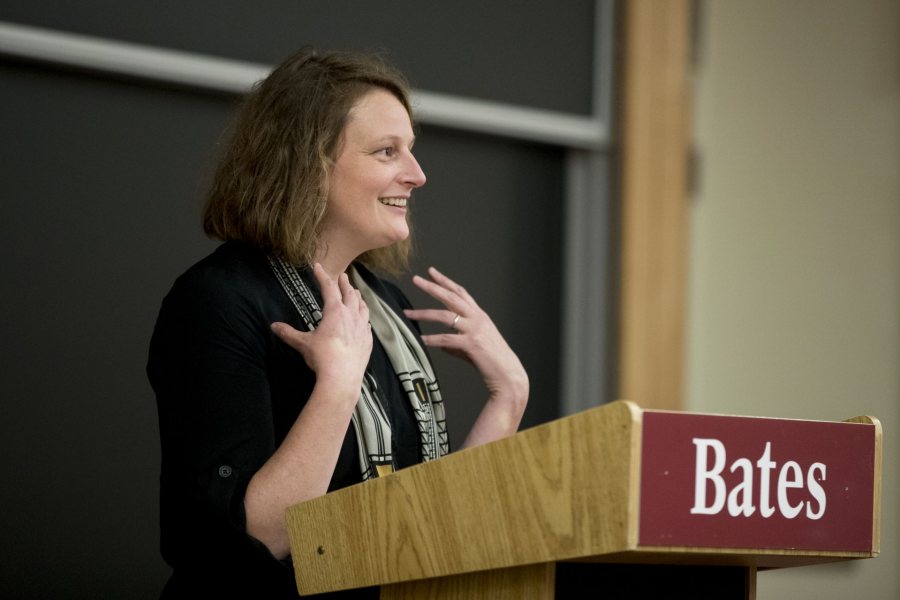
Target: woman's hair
270	188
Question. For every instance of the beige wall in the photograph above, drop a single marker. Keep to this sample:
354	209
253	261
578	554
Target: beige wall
794	306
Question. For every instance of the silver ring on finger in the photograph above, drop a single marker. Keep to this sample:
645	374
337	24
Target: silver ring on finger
455	320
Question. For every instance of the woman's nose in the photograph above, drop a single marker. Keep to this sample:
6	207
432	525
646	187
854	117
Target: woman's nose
414	175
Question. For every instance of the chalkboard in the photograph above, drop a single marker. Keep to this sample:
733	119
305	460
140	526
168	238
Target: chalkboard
533	52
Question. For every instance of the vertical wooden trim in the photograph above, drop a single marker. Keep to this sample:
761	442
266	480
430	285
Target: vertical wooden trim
655	102
876	478
750	583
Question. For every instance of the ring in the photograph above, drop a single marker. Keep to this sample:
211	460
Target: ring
455	319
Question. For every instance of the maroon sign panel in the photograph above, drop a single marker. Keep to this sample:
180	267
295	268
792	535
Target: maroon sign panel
743	482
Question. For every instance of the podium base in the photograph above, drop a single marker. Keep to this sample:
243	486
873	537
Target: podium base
583	580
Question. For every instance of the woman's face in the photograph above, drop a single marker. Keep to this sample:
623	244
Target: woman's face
372	178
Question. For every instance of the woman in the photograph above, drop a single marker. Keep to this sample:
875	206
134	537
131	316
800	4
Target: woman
271	387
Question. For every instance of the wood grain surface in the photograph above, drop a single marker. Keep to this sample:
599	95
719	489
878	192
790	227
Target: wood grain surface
562	490
497	518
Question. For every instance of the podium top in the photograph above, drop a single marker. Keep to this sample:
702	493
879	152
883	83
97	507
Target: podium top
611	484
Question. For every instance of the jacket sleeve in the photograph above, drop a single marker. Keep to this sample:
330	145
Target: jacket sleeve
207	366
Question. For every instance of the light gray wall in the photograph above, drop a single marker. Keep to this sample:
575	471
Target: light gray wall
795	270
101	184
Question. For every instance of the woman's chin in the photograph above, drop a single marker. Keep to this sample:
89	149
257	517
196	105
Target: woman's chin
387	241
399	234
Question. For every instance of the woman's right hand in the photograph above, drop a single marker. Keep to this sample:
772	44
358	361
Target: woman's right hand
337	351
340	347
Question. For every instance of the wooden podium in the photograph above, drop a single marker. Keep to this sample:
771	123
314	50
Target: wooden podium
613	499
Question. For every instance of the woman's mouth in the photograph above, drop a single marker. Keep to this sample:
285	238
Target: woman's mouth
398	202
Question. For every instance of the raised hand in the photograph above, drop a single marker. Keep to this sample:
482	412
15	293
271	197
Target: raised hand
474	337
341	345
337	351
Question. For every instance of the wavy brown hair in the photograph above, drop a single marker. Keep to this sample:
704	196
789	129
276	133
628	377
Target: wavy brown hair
270	187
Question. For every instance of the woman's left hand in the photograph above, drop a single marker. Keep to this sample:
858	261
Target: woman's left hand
474	338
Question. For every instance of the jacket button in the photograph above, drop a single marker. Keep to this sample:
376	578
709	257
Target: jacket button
224	471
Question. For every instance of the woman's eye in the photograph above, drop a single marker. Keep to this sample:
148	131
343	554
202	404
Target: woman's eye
387	151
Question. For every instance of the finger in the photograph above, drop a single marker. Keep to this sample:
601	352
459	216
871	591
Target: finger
364	311
433	315
443	295
330	291
448	283
349	295
292	337
446	341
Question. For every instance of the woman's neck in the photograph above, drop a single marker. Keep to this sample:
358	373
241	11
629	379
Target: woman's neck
333	263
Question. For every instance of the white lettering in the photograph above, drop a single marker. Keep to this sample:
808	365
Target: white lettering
702	475
744	489
709	462
815	490
792	470
765	465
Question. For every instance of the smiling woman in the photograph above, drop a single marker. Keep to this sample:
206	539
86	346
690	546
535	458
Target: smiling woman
371	182
283	367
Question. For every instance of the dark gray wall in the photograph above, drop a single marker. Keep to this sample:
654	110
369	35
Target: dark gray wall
529	52
101	183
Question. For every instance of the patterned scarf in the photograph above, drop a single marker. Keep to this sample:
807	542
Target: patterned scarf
371	423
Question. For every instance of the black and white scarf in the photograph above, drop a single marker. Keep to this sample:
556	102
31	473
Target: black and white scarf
370	419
